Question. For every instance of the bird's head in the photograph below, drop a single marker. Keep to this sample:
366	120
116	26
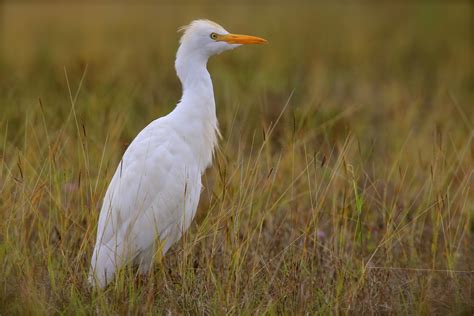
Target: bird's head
207	38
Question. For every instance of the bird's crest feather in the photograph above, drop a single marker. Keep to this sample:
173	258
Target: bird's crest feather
185	29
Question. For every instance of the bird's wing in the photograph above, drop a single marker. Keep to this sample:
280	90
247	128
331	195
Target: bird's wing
145	193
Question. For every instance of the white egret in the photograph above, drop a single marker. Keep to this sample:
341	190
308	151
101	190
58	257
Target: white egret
154	193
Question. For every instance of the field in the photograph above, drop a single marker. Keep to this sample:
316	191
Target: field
343	183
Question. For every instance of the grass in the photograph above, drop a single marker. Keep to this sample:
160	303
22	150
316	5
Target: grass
343	183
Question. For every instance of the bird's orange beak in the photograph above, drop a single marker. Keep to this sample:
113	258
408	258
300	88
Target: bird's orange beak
241	39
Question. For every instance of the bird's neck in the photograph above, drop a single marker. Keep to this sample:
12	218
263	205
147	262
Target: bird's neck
191	66
198	94
197	110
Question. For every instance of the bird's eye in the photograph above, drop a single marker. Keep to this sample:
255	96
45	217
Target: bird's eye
214	36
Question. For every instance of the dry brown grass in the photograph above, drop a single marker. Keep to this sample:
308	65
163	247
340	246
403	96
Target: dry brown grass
343	183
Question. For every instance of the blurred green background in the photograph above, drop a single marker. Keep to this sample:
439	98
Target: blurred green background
389	67
370	55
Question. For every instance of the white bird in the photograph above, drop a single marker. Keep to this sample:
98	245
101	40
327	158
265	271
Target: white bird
154	193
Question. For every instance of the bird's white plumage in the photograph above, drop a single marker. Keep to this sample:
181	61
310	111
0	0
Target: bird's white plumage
153	195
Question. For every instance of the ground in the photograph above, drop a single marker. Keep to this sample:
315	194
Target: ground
343	182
